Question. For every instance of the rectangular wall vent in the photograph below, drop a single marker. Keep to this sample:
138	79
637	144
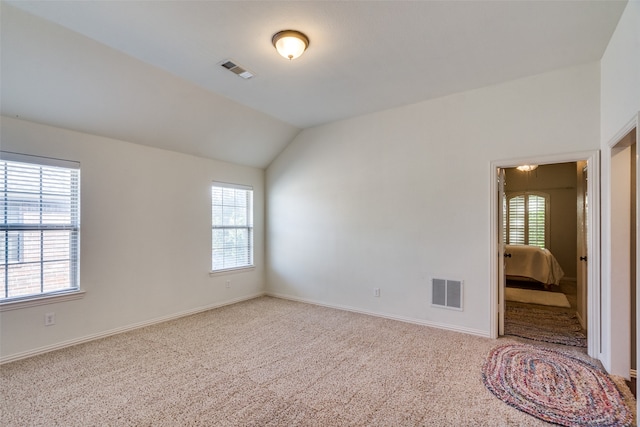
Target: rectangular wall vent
446	293
235	68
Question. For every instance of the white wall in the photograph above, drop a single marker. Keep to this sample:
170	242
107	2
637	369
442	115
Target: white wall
620	69
620	103
391	199
145	237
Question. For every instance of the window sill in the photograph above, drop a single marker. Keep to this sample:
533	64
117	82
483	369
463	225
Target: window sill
41	300
232	270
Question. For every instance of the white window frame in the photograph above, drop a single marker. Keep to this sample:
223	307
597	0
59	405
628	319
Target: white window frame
44	296
507	216
228	262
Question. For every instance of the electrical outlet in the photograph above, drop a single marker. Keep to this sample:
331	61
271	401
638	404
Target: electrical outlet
376	292
49	319
228	284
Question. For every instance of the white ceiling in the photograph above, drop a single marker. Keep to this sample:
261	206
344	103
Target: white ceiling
148	71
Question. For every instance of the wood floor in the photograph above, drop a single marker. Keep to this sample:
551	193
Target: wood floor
632	386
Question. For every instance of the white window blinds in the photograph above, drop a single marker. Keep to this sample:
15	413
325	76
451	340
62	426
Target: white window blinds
526	219
232	226
536	220
516	219
39	225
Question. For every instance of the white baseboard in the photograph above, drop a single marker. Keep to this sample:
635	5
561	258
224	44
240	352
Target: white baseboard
87	338
422	322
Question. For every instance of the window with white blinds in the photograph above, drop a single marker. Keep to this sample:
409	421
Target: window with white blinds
40	226
232	226
526	219
516	230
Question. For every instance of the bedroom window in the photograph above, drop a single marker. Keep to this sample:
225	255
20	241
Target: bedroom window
232	226
39	225
526	219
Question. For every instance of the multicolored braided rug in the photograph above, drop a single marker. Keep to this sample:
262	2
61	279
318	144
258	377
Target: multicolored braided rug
554	386
544	325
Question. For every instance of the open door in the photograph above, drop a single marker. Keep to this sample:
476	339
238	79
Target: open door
581	233
502	279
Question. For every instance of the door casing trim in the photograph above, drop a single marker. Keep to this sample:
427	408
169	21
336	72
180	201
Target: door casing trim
593	239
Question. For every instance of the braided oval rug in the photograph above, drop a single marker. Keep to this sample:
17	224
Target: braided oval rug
554	386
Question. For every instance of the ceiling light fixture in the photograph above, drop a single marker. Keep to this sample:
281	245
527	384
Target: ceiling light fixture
290	43
527	168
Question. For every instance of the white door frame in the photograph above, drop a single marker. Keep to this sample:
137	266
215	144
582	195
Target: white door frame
613	360
593	240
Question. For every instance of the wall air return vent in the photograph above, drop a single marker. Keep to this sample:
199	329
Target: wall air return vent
236	69
446	293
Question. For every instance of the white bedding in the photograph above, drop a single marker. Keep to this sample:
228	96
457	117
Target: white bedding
533	262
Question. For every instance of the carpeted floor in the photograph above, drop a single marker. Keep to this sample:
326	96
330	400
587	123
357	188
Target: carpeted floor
262	362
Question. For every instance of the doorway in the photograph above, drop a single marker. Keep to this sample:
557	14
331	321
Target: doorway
589	161
540	231
623	255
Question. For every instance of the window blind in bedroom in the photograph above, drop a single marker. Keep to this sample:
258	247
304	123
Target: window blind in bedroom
39	225
526	219
232	226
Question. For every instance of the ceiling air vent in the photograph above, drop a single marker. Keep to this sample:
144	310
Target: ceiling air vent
235	68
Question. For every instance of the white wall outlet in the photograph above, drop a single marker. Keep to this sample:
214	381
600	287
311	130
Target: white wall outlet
49	319
376	292
228	284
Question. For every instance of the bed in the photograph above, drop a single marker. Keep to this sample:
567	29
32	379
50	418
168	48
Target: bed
532	262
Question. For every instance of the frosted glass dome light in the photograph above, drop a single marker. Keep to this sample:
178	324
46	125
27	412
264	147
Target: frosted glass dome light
290	43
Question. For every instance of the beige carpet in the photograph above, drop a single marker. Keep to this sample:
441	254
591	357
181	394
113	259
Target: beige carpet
264	362
555	299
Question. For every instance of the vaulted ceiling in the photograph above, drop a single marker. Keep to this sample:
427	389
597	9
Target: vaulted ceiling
149	71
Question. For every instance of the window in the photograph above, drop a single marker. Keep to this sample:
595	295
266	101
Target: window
526	219
232	226
39	225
